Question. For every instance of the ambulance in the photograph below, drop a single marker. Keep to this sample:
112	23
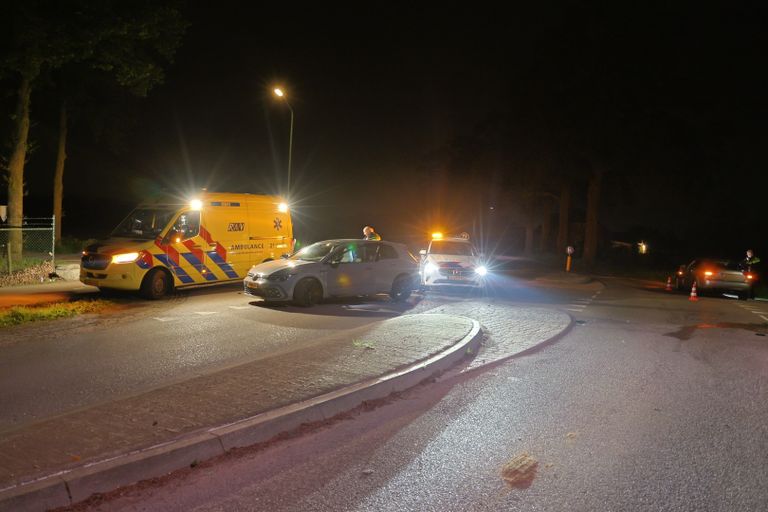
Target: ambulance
214	238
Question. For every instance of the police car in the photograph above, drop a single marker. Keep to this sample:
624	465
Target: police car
451	261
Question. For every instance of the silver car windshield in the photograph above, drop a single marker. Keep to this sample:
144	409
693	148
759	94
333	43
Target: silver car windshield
144	223
314	252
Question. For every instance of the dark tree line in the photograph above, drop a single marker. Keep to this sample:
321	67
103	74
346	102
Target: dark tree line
79	53
611	102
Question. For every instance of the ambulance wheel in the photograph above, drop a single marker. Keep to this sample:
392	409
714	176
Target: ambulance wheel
401	289
156	284
307	292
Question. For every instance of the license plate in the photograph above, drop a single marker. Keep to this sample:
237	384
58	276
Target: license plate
252	285
456	278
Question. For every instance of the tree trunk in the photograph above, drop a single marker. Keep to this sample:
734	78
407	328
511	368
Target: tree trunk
58	177
564	218
529	229
16	167
546	227
593	207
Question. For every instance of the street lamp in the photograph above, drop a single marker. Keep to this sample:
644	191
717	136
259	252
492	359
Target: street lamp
281	94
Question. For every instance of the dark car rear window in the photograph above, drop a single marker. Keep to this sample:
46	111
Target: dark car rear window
721	264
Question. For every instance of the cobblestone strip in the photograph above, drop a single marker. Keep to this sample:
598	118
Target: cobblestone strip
509	329
243	391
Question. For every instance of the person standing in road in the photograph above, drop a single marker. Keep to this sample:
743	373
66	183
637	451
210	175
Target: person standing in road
750	260
370	234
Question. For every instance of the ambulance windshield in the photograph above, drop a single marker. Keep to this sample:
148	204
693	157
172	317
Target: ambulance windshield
144	223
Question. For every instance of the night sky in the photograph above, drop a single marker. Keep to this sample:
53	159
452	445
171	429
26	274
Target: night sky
401	114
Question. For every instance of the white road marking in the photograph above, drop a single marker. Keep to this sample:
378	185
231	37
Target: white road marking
203	313
758	312
575	310
164	318
764	318
239	307
587	301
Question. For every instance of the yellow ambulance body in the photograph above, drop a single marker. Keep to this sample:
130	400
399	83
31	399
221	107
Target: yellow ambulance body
215	238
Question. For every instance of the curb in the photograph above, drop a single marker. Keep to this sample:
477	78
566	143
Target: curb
68	487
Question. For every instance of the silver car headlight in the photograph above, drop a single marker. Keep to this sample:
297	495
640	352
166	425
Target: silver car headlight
281	275
430	268
481	270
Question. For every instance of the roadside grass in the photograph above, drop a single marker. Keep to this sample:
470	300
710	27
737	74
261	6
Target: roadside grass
17	315
18	265
761	290
72	245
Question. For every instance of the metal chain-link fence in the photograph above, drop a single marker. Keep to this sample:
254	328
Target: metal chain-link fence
27	250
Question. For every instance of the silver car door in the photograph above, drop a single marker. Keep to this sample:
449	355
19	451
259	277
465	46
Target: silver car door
348	273
388	266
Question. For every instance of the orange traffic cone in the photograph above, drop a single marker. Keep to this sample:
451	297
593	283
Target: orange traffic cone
669	284
693	296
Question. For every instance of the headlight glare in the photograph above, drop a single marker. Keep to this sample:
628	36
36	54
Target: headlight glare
430	268
481	270
127	257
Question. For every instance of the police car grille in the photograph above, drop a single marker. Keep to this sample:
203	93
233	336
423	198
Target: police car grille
95	261
455	271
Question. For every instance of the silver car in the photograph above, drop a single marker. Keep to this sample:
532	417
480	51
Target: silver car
336	268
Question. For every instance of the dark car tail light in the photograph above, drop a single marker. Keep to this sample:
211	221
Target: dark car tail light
750	277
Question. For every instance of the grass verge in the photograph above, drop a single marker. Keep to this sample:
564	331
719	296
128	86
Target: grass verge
22	314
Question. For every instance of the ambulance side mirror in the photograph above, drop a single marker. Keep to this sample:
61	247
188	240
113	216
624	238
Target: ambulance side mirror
173	237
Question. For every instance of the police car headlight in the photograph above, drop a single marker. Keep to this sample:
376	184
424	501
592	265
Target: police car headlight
128	257
280	275
481	270
430	268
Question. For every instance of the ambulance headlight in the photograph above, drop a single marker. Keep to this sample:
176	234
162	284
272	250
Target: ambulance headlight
282	207
127	257
196	204
430	268
481	270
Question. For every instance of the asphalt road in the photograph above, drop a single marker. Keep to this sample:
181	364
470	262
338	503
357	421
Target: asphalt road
651	402
49	368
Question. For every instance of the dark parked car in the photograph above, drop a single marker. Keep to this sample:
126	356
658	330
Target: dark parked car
717	275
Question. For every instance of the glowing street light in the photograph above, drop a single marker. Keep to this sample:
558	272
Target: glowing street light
281	94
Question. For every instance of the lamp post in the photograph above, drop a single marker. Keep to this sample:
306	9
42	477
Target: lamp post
281	94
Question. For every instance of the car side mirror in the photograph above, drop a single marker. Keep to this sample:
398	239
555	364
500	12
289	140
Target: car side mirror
423	252
173	237
285	256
